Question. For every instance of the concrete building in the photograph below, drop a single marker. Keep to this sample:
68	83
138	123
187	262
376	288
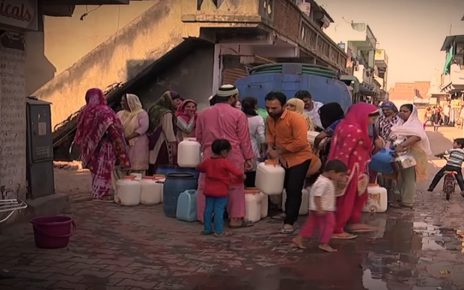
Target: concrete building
413	93
452	79
365	62
173	40
192	47
21	49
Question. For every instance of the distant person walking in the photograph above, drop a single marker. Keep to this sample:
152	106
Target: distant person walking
100	137
436	119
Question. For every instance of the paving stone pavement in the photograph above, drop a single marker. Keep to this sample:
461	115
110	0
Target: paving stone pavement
117	247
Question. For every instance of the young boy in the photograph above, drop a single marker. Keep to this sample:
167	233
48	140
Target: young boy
219	173
322	206
456	157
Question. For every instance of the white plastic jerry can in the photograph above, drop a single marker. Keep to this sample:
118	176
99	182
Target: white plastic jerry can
264	204
128	191
270	177
188	153
377	200
252	206
311	135
304	207
151	191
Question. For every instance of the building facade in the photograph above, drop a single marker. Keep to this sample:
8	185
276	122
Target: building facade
366	63
452	79
21	49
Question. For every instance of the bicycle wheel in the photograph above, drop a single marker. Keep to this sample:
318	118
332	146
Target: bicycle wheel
448	185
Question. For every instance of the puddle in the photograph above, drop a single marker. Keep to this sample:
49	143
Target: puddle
373	284
437	238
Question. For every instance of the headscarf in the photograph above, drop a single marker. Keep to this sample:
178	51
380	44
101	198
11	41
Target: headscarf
413	127
181	110
299	108
358	118
299	104
330	113
162	106
92	124
389	105
127	117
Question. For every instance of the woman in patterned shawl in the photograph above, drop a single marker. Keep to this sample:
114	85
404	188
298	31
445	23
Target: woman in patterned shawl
100	137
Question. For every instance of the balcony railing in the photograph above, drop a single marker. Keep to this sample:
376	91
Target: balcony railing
281	16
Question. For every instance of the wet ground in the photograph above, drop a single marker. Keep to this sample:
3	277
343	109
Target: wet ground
139	248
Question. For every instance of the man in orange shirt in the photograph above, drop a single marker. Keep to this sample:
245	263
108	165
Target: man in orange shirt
287	141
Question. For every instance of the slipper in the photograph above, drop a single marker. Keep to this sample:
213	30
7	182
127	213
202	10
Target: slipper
243	224
287	229
366	230
344	236
361	228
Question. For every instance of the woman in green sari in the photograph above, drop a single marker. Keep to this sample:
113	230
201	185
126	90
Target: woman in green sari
162	132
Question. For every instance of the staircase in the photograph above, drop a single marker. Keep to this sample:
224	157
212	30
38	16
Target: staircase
123	56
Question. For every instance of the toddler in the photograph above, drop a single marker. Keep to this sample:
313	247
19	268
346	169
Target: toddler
322	206
219	172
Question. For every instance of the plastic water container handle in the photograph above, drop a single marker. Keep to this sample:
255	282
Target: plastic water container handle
191	191
271	162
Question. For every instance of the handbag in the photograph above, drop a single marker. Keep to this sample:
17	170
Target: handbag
406	161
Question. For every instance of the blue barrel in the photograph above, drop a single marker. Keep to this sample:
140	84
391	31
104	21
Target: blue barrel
175	184
382	161
165	170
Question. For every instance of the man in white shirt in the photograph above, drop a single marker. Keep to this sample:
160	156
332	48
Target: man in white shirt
311	107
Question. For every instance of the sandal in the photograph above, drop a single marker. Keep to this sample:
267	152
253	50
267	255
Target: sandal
287	229
361	228
344	236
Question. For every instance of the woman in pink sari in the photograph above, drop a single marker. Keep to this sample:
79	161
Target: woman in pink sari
100	137
353	146
186	115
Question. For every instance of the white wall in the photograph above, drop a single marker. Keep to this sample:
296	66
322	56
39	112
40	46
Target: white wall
13	122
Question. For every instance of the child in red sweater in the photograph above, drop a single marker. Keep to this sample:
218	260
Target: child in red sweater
219	172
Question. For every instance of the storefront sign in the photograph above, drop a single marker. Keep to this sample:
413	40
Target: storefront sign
19	14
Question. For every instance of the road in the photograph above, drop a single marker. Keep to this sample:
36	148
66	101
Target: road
139	248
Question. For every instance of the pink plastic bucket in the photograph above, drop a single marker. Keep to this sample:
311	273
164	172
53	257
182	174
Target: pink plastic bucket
52	232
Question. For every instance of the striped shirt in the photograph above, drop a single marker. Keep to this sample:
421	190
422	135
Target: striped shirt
456	157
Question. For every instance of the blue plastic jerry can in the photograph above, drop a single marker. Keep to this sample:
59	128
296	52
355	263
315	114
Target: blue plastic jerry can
187	206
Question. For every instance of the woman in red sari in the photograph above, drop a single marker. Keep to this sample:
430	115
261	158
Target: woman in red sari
100	137
352	145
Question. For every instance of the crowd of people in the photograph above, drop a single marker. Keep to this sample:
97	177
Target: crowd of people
444	115
235	135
